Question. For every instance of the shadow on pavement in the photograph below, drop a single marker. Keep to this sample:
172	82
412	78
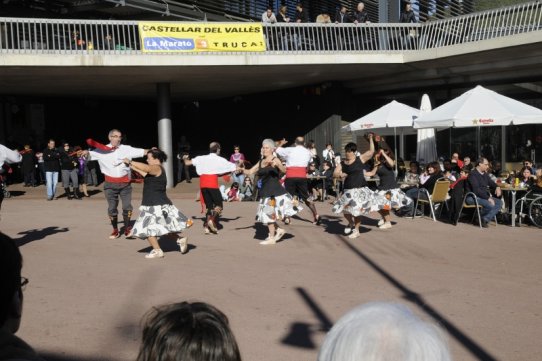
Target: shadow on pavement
37	234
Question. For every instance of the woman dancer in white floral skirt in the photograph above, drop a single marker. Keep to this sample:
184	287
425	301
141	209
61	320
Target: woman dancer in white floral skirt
275	202
391	195
357	198
158	216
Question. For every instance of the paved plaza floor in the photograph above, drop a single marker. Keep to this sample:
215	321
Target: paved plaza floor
87	294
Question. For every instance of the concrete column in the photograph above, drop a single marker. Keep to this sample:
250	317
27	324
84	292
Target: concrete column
164	128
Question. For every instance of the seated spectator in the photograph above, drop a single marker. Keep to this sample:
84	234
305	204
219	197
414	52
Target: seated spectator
456	161
327	171
467	163
432	174
412	176
529	164
478	183
381	331
537	184
314	185
187	331
526	177
11	303
246	190
233	193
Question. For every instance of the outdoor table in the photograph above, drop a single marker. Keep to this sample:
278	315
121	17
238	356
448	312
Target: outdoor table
323	179
508	188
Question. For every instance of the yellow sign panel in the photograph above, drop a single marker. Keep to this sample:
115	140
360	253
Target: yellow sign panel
198	37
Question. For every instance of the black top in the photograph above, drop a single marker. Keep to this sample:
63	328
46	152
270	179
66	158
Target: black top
361	16
387	178
67	161
431	181
408	17
51	161
154	190
354	174
271	186
478	183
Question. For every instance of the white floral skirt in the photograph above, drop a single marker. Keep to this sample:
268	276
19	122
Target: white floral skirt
393	198
284	207
358	201
156	221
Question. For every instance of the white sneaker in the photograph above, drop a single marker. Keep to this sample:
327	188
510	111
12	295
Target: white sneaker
183	244
385	225
206	230
279	233
155	253
355	234
381	222
212	226
348	230
269	240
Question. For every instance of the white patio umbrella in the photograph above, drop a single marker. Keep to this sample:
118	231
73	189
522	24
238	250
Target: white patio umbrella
427	145
392	115
479	107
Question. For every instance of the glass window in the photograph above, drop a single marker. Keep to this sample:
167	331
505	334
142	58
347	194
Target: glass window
464	142
490	141
524	142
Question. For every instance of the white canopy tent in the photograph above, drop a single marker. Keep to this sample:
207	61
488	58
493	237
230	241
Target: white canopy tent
479	107
392	115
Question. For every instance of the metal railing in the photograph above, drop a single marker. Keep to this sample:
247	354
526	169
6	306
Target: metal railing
45	36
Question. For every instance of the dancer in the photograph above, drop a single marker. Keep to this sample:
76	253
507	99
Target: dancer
158	216
391	194
297	160
7	156
357	198
209	167
117	177
275	202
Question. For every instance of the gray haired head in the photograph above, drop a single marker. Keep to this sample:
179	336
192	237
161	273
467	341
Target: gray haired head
269	142
383	331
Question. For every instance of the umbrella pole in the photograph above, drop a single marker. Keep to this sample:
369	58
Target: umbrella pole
395	149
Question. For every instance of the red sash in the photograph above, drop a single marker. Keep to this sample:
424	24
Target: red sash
206	181
296	172
125	179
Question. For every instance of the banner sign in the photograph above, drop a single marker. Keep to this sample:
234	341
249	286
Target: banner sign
200	37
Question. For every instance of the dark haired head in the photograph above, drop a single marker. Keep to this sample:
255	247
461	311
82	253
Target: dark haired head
351	147
327	162
11	263
158	154
189	332
235	185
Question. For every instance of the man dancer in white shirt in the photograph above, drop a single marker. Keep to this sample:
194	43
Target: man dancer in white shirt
117	178
297	160
209	167
7	156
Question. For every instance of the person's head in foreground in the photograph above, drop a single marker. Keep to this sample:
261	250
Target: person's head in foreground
189	332
382	331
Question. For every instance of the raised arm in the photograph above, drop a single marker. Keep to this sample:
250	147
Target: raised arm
368	154
390	161
143	168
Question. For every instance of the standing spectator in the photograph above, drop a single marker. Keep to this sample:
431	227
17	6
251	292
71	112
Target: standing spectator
457	161
51	164
268	17
408	16
183	168
328	154
28	166
40	179
479	182
238	159
282	17
69	167
91	172
12	286
188	331
342	16
361	16
311	146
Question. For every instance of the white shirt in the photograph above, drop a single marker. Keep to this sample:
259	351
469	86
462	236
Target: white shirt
272	19
111	162
328	154
9	156
212	163
297	156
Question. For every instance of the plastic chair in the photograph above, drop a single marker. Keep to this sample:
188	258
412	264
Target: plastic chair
439	195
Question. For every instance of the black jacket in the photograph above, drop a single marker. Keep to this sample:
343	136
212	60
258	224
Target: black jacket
478	183
51	160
